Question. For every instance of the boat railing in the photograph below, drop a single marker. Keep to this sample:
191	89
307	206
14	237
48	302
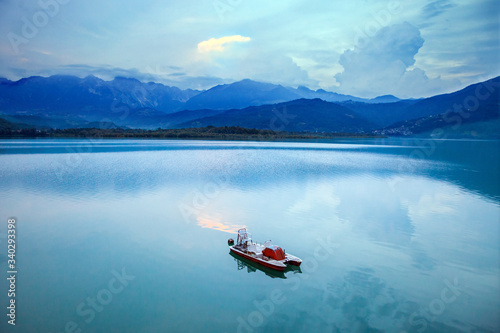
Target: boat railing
258	243
252	242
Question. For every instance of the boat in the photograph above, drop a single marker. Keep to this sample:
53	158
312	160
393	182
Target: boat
267	254
252	267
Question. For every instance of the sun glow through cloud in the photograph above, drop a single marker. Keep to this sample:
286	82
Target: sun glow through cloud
217	44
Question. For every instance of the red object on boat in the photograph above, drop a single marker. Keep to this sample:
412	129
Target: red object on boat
274	252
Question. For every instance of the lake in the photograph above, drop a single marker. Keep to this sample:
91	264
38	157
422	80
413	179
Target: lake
131	235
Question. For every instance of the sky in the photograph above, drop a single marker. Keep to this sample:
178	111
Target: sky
361	48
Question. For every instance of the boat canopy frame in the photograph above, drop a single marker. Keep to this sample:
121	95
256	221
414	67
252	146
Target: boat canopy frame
244	237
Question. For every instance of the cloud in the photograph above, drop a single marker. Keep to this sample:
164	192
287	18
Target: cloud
435	8
385	65
257	63
272	67
259	60
217	44
301	44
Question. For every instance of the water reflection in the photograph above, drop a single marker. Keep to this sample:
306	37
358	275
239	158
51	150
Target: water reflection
216	224
251	267
471	165
401	232
358	297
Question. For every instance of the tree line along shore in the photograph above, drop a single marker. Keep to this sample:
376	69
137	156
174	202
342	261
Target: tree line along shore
209	132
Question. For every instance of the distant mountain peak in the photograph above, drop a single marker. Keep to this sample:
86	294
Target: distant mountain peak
307	101
91	77
386	96
241	94
129	79
313	115
384	99
89	98
304	88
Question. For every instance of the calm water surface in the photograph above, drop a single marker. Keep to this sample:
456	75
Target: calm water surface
131	235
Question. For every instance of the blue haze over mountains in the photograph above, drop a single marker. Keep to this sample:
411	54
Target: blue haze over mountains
68	101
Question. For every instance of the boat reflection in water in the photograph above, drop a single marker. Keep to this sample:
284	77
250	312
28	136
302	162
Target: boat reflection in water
253	267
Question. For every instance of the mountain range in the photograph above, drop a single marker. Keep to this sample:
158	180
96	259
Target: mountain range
68	101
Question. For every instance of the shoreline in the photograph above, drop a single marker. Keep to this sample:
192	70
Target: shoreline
233	133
